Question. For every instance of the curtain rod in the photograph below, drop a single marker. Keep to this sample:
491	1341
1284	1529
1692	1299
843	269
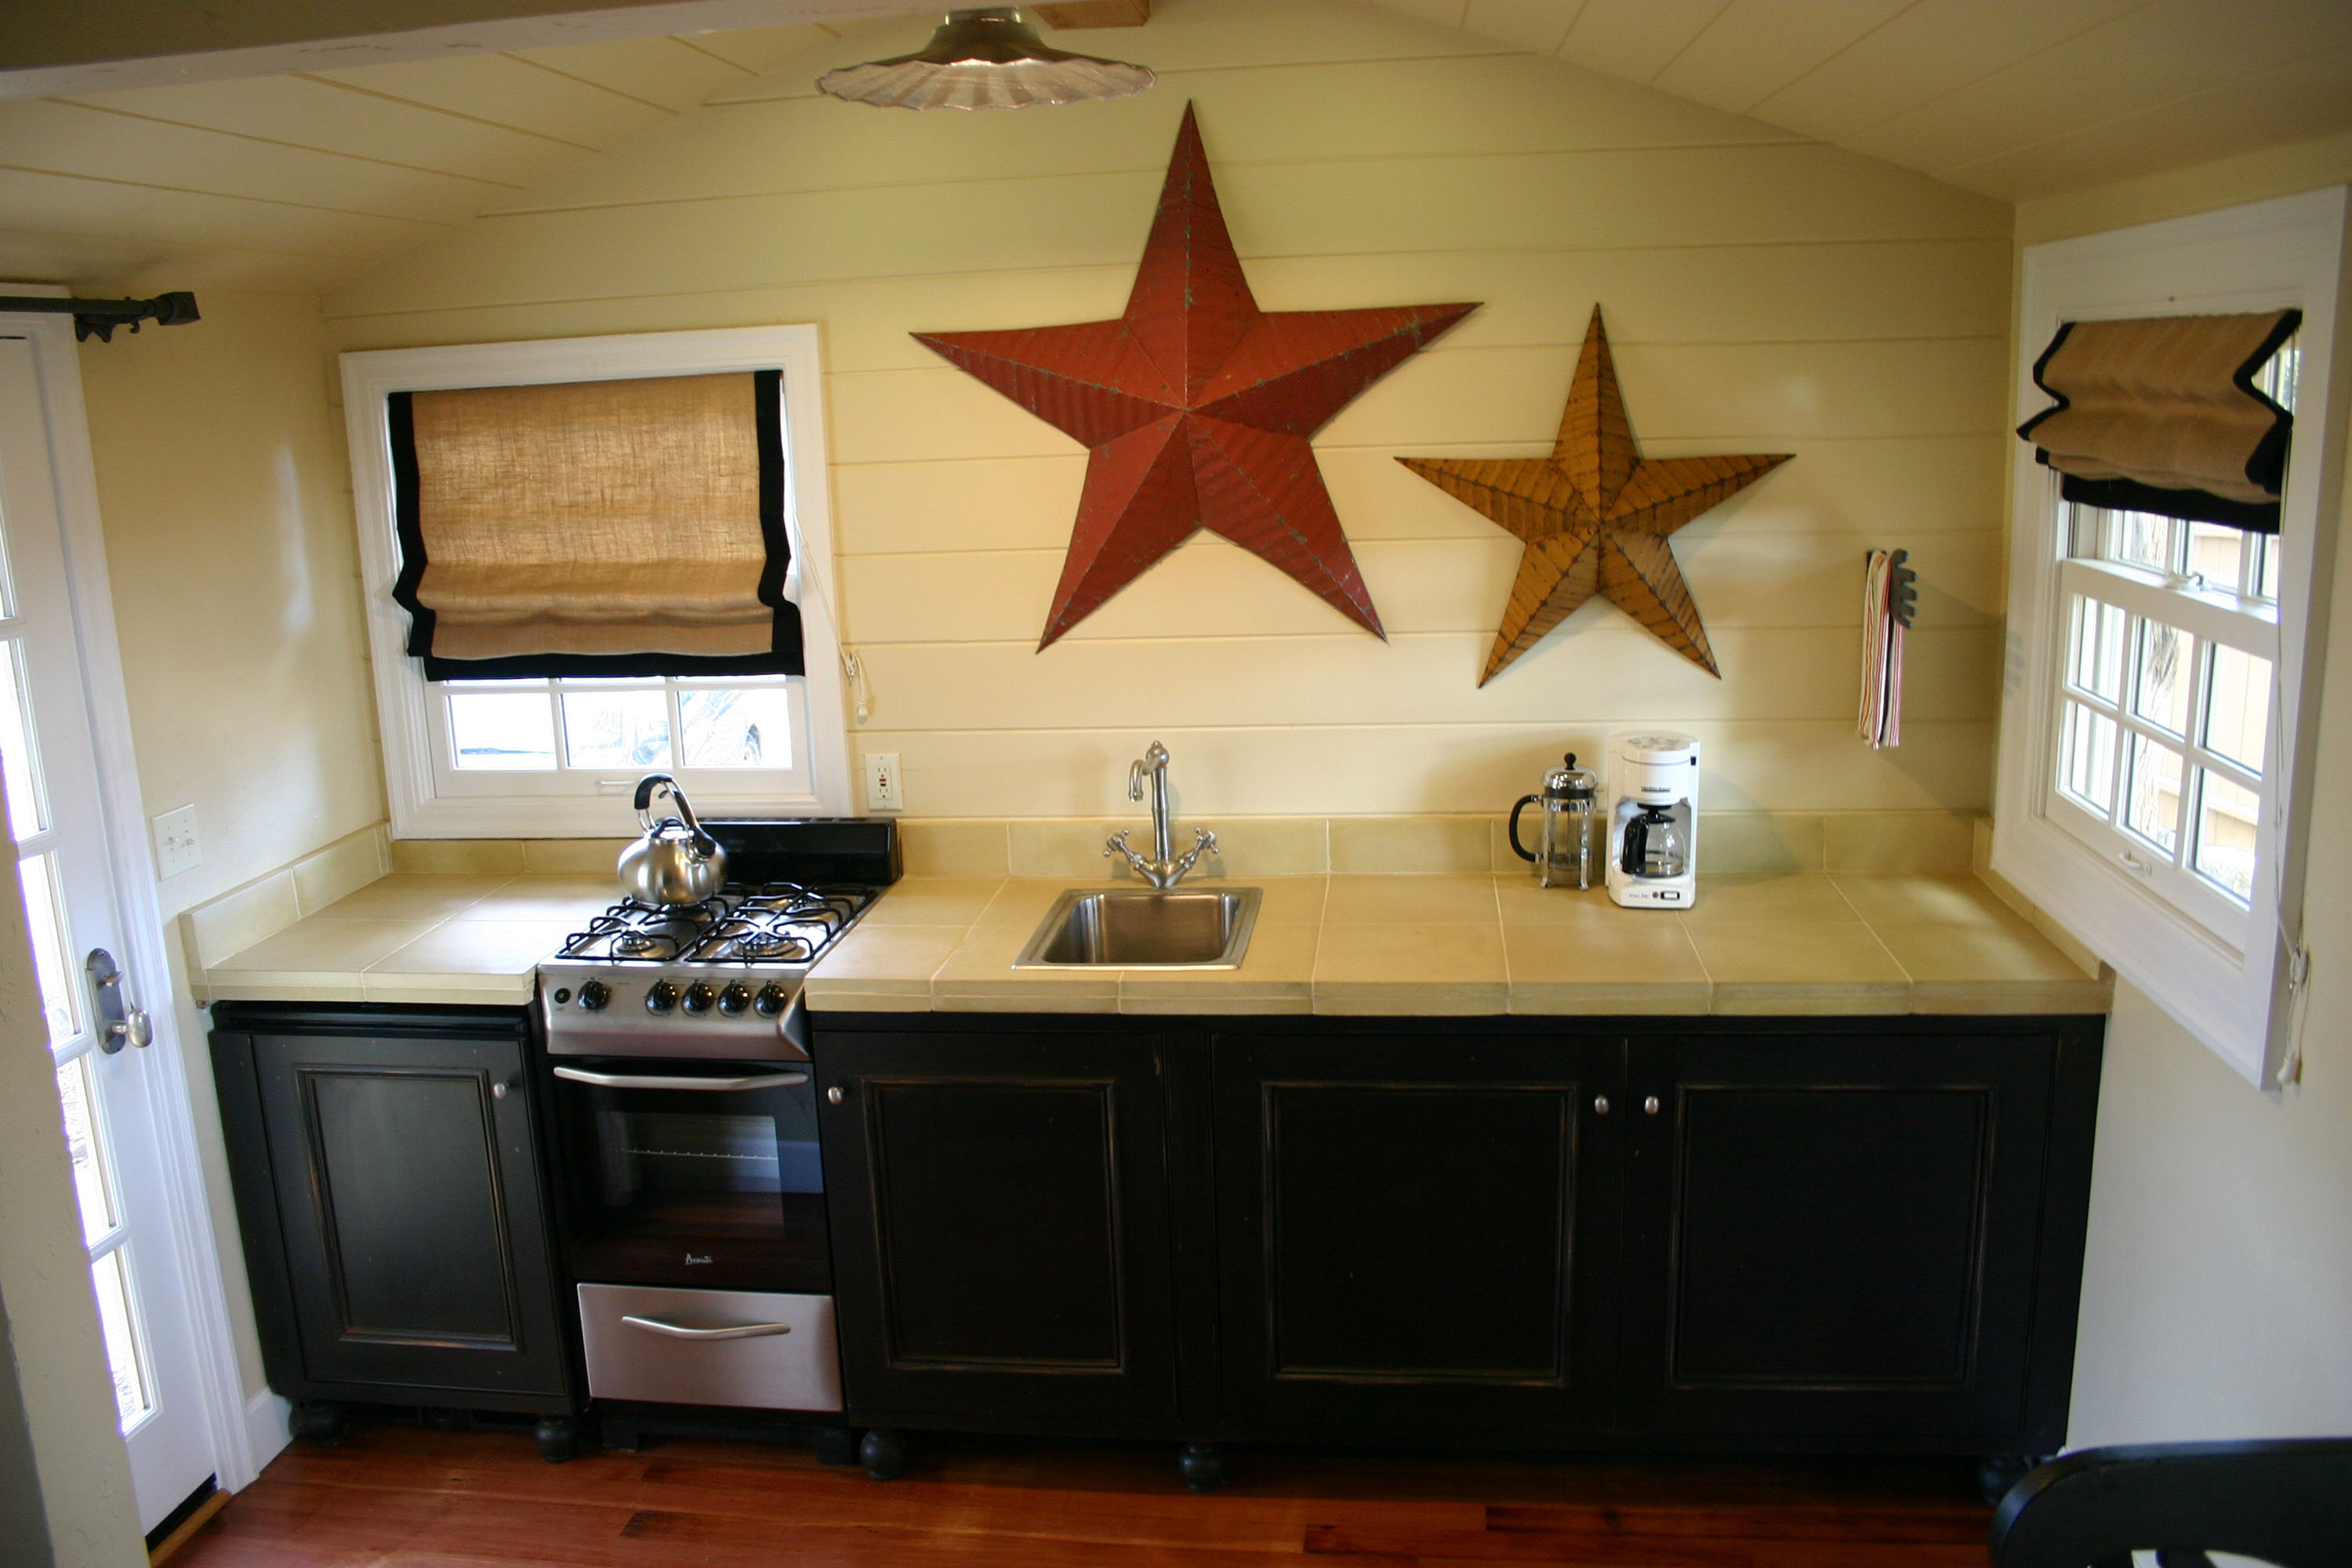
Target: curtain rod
102	316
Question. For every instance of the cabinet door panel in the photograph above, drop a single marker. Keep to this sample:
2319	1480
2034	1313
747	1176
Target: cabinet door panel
1836	1234
408	1202
1000	1224
1414	1234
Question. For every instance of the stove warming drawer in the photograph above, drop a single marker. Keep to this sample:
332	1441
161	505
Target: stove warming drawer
757	1349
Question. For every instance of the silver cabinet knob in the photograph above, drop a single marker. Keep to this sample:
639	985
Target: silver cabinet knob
499	1090
833	1095
1650	1106
1599	1105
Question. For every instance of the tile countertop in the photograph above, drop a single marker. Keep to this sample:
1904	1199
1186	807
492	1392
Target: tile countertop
476	940
1805	943
1789	945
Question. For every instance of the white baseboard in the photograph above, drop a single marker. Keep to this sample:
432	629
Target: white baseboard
265	1428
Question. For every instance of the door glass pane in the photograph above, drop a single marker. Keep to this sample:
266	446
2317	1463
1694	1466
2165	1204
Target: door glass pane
2238	705
2095	661
2227	816
52	946
98	1216
749	727
502	732
2152	798
131	1398
2087	766
616	729
27	814
2161	693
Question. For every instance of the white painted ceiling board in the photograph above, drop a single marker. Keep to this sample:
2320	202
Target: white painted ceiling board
665	73
1756	47
1539	24
512	91
1636	39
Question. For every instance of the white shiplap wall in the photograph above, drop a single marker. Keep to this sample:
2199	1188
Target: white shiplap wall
1763	293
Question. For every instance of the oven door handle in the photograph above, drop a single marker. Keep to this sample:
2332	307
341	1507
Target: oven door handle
684	1331
713	1085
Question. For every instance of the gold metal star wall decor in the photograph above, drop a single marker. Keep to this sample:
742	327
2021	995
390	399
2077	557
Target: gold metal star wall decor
1595	516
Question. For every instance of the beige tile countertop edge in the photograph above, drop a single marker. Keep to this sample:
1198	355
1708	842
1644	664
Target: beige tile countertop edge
947	947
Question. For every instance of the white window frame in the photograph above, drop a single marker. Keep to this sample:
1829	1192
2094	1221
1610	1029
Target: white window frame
2235	997
422	804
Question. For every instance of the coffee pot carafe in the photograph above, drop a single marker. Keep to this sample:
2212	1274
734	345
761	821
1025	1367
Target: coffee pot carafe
1563	850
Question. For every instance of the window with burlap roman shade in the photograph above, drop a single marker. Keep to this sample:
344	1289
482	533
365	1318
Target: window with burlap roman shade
2161	415
622	527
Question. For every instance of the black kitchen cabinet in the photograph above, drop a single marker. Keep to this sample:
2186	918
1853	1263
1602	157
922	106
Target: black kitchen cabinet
998	1201
387	1176
1417	1233
1655	1235
1873	1234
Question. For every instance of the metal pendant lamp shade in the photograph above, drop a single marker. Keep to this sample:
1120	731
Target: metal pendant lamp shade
988	58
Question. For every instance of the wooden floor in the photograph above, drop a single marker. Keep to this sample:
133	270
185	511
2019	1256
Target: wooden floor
405	1498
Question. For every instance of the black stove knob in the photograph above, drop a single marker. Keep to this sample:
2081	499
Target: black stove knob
771	1000
660	996
735	998
593	994
699	996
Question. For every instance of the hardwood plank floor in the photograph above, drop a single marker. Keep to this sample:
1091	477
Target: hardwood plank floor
405	1498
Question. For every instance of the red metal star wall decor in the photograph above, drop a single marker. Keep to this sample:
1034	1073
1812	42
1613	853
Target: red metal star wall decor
1595	516
1198	406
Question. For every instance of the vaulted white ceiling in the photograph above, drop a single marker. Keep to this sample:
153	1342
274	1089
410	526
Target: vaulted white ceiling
307	179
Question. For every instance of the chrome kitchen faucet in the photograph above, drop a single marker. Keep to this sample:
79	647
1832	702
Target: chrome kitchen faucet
1164	871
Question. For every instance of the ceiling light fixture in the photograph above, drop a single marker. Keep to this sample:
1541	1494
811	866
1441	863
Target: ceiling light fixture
987	58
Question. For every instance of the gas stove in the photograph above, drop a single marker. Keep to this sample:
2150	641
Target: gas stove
720	978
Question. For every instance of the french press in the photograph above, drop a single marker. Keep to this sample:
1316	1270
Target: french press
1563	855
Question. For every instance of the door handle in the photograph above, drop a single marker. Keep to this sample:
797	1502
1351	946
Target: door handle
688	1332
118	1022
649	1080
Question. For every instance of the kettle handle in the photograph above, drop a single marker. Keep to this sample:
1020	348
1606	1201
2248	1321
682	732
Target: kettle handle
704	845
1523	801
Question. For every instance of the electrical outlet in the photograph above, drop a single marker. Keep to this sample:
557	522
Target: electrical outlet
177	849
882	781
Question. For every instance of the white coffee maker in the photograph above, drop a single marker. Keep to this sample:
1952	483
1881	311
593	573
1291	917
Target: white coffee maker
1654	820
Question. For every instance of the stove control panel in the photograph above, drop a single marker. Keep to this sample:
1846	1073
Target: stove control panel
668	1011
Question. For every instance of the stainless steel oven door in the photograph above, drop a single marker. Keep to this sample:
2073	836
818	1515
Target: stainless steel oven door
692	1173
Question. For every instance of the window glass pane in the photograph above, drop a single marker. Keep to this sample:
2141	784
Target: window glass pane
2152	795
2086	756
81	1144
2141	539
738	728
2277	377
2095	661
2238	705
2086	531
131	1400
2161	695
52	944
2270	574
2226	819
616	729
502	731
27	814
2214	552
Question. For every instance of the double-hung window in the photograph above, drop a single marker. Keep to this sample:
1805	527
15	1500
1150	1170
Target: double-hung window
517	691
2150	745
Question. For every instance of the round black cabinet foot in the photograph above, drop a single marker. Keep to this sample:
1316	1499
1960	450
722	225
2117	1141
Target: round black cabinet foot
558	1437
317	1422
884	1456
836	1446
1996	1473
1203	1467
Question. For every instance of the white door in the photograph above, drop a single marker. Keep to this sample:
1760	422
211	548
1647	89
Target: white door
105	1073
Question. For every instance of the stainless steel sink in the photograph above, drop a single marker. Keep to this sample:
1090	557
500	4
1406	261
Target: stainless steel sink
1144	928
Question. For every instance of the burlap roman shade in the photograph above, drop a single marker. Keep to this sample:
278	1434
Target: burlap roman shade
616	527
2161	415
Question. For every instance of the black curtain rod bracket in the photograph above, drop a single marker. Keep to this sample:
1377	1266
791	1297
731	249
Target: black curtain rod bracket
100	317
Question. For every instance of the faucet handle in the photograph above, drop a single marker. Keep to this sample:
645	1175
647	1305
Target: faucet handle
1117	845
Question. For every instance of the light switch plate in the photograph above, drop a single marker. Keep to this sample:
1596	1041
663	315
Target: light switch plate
882	781
177	849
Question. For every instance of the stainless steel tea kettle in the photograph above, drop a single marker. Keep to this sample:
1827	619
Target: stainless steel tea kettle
676	862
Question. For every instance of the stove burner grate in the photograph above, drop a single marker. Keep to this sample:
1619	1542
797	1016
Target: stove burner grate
773	922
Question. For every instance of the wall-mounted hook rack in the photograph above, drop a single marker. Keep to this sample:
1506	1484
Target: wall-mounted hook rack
1902	588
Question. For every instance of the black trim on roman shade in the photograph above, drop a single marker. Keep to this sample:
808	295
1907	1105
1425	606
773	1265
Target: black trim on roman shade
2168	398
771	645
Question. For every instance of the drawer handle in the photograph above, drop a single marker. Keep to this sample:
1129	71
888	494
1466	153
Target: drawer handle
646	1081
688	1332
